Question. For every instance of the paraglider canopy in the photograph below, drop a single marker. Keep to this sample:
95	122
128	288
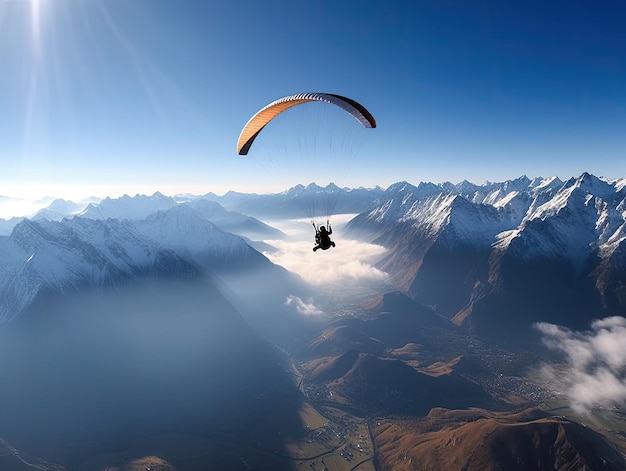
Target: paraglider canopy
256	124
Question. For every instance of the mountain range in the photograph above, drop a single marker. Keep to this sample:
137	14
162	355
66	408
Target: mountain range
500	256
488	257
297	201
117	308
78	252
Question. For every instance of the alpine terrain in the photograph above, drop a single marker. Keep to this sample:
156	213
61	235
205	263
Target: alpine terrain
155	332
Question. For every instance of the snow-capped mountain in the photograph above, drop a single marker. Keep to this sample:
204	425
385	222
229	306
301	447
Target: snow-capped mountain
59	209
64	256
186	231
297	201
229	212
232	221
524	249
581	216
128	207
51	210
80	252
140	207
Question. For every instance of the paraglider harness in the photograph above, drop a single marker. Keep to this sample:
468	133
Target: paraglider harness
322	239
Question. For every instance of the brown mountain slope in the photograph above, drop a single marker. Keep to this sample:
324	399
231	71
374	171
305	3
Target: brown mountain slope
391	386
446	442
330	368
339	339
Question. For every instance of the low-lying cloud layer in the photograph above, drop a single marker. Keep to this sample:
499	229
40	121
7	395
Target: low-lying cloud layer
350	262
595	368
339	275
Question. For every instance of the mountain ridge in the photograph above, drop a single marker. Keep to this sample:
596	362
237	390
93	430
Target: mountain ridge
516	247
61	255
463	249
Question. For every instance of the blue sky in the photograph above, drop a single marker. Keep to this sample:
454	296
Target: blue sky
133	96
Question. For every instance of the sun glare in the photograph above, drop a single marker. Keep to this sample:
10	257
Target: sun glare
35	16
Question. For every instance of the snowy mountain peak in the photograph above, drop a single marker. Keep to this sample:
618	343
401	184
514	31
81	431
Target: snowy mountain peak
59	209
425	189
586	191
130	207
58	256
400	187
519	184
78	252
314	187
593	185
469	189
540	183
63	206
593	205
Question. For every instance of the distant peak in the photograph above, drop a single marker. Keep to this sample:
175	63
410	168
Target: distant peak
523	180
400	187
540	183
591	184
297	187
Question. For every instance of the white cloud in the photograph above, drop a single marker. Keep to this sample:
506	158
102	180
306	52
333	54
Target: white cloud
306	308
340	276
350	262
595	368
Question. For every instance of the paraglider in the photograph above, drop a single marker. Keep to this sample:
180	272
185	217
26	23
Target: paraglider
310	132
322	237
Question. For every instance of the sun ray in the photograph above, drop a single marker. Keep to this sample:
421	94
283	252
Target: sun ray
32	89
35	18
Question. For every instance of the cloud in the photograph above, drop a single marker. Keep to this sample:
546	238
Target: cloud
303	307
350	262
595	362
339	277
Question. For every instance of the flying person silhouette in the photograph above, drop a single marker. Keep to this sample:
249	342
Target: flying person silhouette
322	237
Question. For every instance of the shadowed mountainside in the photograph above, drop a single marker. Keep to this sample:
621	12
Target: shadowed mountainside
89	375
392	387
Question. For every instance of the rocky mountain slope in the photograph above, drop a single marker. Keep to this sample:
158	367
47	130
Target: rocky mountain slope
476	439
506	254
